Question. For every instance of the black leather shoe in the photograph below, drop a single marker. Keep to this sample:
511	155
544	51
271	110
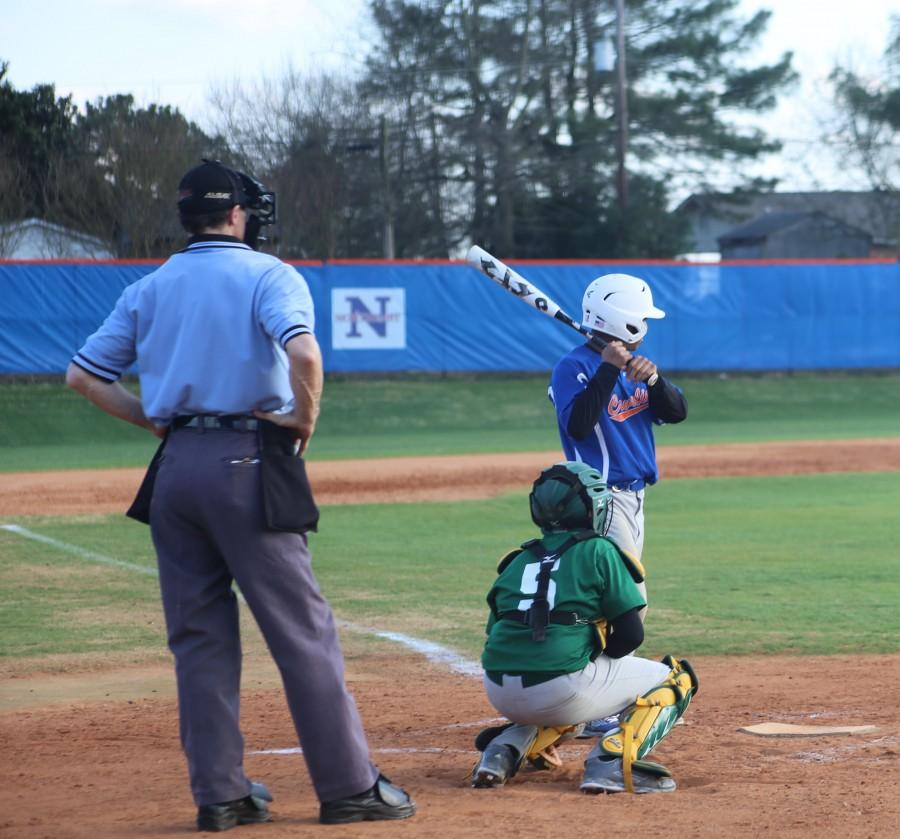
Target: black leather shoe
251	809
382	801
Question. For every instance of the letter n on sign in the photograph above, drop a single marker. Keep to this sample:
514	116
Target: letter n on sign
368	318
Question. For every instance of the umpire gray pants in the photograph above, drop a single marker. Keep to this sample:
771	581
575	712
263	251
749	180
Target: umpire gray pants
208	529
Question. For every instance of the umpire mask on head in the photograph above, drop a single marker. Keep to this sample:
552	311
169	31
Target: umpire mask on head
261	209
569	496
212	187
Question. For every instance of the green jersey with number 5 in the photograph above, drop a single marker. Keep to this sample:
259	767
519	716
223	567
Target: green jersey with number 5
589	579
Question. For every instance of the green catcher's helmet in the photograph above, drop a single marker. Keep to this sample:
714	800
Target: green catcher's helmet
569	496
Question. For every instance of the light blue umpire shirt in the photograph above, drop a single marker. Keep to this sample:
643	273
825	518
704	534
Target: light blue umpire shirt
207	330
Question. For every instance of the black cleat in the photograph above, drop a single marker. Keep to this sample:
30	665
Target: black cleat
607	776
382	801
497	765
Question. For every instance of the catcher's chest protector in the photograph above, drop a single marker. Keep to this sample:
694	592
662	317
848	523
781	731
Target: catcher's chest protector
539	614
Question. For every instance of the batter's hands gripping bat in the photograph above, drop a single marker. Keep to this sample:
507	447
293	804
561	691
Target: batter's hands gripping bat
517	285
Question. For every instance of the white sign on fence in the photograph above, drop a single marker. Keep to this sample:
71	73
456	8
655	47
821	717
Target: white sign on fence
368	318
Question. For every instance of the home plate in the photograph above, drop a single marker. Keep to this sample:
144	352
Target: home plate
783	729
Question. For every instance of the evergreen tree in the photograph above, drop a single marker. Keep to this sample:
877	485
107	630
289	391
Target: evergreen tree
125	173
35	127
506	127
110	171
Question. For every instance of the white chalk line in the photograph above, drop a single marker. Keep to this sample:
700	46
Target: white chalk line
77	551
435	653
837	753
430	750
414	750
476	723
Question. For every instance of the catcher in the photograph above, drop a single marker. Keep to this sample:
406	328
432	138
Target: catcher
564	615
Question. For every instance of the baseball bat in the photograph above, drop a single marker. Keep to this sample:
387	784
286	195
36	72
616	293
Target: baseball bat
526	291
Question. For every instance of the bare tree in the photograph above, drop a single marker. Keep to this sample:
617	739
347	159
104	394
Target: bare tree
13	185
313	140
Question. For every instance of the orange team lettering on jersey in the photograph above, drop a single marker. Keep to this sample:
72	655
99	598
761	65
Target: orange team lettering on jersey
621	409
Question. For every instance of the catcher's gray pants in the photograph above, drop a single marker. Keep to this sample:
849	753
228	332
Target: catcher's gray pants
207	525
603	688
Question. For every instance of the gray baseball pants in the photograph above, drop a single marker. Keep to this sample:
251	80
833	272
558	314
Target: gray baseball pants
604	687
625	526
208	529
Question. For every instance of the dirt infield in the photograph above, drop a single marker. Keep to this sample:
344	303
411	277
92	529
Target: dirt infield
114	769
450	478
95	753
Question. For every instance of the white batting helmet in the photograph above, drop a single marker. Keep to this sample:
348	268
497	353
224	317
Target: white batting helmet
619	305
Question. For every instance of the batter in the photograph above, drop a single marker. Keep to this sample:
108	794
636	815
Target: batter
608	399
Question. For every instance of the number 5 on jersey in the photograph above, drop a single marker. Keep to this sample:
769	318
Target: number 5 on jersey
529	585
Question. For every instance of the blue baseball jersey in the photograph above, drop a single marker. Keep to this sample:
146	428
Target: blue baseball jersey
621	445
207	330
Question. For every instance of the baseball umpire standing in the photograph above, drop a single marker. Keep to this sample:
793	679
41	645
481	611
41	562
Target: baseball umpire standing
231	377
608	399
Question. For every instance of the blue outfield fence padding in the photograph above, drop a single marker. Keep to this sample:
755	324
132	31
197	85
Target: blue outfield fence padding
446	316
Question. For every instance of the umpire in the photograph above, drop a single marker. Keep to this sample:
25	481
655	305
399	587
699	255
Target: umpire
231	377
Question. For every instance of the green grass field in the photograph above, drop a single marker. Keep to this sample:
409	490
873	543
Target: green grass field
45	426
736	566
804	564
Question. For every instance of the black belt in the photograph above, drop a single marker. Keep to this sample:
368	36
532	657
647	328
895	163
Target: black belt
235	422
628	486
555	616
529	680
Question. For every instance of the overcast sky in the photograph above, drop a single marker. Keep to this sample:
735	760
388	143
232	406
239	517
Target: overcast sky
174	51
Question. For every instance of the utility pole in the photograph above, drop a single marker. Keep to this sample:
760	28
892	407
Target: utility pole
388	239
621	109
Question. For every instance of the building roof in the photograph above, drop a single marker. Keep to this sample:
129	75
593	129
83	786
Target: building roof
876	212
763	225
35	238
768	223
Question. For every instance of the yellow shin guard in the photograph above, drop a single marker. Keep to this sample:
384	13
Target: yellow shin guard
650	718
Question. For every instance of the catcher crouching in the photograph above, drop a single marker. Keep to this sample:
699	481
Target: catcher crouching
564	616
